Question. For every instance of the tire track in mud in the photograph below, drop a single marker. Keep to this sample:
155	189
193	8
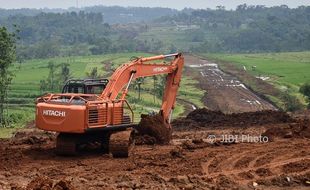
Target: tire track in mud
258	162
224	91
171	166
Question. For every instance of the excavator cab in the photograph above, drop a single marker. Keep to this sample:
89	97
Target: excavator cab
85	86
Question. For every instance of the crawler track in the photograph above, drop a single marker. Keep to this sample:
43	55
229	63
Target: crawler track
121	143
66	144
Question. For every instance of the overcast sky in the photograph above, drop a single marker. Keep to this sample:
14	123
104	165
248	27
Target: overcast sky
178	4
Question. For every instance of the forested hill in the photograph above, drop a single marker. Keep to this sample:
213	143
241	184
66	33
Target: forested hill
248	28
111	15
122	15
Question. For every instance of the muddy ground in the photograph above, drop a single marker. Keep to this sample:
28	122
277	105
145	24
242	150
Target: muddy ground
225	92
197	158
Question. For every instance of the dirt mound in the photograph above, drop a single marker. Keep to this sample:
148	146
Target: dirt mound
154	126
283	180
40	183
299	166
294	130
145	139
63	185
207	118
48	184
32	136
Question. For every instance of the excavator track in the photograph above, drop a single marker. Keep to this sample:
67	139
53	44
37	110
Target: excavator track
66	145
121	143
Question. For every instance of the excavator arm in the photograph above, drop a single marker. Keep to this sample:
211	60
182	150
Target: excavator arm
122	77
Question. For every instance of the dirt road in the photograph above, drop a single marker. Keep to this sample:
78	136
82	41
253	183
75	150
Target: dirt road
224	92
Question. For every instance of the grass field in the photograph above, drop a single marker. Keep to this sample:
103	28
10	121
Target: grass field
26	84
286	71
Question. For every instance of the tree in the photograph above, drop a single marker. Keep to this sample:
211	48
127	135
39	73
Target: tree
160	85
64	72
64	75
137	86
55	79
7	56
43	86
93	74
51	75
305	90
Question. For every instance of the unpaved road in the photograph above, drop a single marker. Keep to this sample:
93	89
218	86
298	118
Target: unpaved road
224	91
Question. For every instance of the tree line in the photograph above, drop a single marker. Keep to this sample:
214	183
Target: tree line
111	14
7	57
248	28
75	33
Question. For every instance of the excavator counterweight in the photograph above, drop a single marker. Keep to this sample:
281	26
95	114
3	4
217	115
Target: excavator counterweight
107	118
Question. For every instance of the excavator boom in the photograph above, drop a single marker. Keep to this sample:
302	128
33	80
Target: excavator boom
140	68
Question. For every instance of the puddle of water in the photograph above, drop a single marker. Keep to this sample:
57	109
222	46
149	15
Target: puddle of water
204	65
251	102
263	78
237	85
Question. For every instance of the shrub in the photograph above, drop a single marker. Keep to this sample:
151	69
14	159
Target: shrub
305	90
291	103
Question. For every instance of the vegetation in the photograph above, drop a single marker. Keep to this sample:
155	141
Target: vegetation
247	29
97	30
305	90
7	55
291	103
47	35
112	14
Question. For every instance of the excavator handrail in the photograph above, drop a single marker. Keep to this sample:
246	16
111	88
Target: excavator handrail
93	104
48	98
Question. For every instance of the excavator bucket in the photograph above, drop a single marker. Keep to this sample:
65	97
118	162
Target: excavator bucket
154	126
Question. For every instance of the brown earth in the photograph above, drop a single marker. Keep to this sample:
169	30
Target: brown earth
208	118
190	161
224	91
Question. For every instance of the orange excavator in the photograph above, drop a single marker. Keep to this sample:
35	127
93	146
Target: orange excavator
80	116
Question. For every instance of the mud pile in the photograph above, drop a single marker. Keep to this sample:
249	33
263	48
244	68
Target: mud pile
300	129
207	118
153	130
48	184
32	136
